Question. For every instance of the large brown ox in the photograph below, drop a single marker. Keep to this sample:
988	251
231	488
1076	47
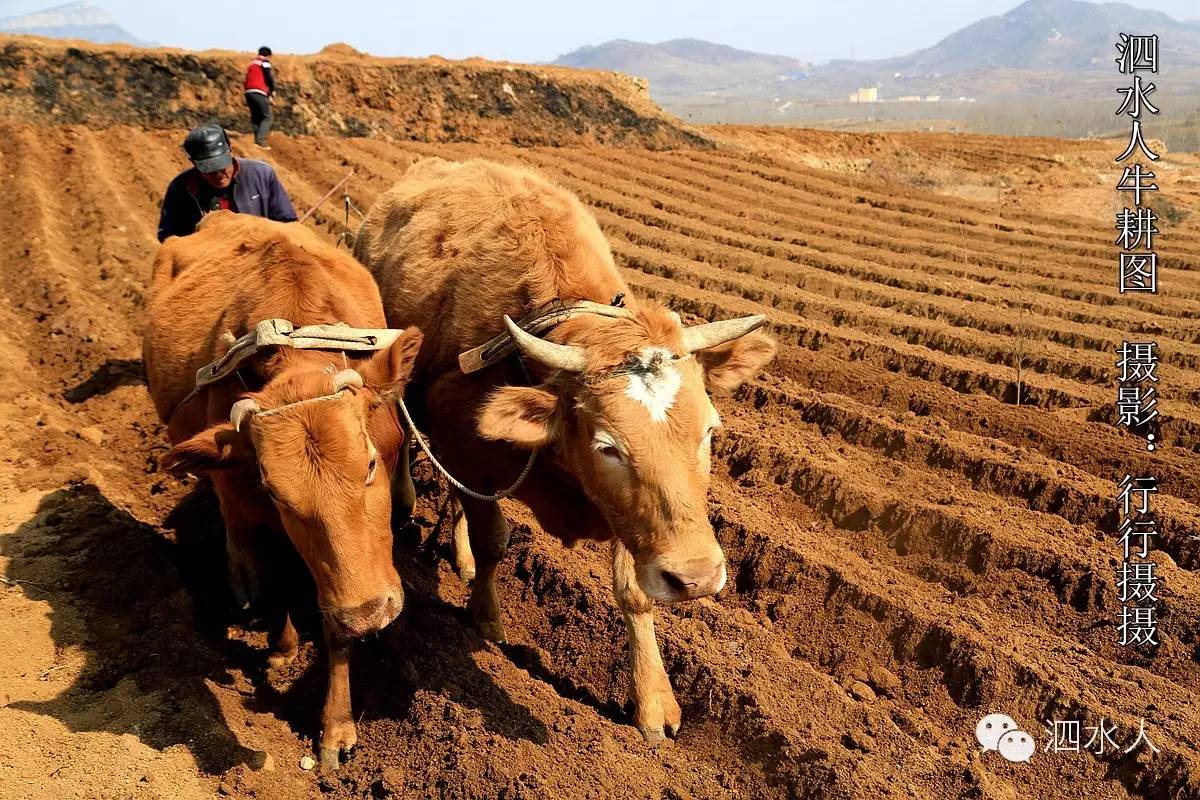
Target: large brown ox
618	407
301	442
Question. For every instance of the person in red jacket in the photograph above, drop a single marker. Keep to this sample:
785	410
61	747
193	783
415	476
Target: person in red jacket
259	85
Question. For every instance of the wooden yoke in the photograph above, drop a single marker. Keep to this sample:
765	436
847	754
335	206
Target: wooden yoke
537	322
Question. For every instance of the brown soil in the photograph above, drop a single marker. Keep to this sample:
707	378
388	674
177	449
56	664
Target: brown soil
1031	174
338	92
909	548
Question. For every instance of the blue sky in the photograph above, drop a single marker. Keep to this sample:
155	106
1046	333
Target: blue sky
539	30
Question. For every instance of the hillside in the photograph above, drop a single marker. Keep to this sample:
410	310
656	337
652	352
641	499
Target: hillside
1054	35
1045	67
336	92
686	66
1064	40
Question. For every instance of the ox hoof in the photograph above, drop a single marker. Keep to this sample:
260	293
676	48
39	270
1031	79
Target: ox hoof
653	736
243	575
493	631
332	746
656	736
466	574
330	759
658	717
241	597
280	660
243	585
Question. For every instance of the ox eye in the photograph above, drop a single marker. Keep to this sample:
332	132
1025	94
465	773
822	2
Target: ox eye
606	448
266	486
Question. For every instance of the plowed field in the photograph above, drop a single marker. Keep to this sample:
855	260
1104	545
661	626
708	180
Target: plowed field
910	546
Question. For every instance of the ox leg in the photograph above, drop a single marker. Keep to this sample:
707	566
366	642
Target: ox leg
464	559
337	722
656	713
283	640
241	557
240	541
487	531
243	575
404	493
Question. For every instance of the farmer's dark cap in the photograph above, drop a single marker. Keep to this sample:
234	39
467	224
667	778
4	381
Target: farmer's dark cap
208	148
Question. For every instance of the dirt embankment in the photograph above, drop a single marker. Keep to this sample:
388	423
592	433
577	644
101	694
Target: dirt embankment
337	92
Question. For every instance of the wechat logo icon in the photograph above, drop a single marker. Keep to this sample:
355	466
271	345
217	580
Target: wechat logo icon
1000	732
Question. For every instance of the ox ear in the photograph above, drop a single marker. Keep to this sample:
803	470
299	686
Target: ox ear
398	360
727	366
219	447
519	414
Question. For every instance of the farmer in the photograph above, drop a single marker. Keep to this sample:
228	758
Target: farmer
218	180
259	85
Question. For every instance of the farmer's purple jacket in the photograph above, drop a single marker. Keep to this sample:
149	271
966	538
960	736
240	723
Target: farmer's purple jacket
255	190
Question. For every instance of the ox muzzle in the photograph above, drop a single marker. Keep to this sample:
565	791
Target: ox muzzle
370	617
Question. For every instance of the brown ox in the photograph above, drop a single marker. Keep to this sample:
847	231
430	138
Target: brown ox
619	406
302	442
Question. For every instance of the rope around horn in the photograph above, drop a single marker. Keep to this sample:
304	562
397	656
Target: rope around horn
487	498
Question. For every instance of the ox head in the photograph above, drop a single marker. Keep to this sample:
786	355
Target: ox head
627	412
324	445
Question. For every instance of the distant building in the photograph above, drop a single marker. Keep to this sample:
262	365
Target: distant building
867	94
932	98
909	98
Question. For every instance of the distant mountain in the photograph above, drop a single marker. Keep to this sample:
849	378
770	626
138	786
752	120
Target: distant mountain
71	21
1062	35
1060	48
687	66
1059	51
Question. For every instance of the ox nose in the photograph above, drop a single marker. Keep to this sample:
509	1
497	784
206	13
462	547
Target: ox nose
698	578
370	617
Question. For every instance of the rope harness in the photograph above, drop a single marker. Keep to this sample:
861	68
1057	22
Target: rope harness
347	236
455	482
538	321
327	195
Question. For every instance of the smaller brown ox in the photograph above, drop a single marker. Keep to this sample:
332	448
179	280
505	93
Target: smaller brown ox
618	407
301	443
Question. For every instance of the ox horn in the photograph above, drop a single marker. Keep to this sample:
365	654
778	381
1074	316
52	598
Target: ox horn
242	410
711	334
559	356
347	377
